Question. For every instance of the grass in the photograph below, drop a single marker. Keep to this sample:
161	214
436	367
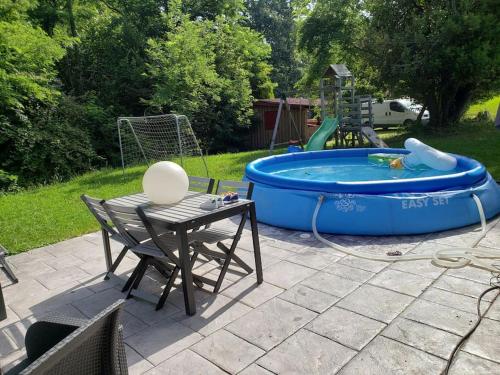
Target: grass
52	213
490	105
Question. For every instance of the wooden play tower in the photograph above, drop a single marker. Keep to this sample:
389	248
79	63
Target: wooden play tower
339	99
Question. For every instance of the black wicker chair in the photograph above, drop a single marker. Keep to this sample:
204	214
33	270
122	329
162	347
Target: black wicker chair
75	346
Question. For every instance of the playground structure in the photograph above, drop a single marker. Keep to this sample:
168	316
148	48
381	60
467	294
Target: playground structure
153	138
345	115
354	112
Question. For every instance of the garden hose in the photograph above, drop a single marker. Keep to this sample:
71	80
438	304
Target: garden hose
449	258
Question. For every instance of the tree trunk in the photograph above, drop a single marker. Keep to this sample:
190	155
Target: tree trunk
71	18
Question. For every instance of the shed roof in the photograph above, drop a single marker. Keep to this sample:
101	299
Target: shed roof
294	102
339	70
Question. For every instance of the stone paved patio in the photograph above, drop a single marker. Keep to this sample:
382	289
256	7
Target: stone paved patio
318	311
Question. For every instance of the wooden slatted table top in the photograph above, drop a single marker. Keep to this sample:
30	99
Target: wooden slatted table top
185	210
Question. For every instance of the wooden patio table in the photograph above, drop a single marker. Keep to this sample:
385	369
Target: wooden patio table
187	215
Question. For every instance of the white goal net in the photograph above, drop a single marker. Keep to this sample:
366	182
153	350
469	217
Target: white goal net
153	138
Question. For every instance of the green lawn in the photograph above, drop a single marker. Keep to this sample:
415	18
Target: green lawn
490	105
53	213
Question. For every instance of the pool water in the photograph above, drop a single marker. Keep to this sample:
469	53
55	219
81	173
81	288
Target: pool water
348	169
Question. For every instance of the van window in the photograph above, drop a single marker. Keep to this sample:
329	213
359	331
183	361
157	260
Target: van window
396	107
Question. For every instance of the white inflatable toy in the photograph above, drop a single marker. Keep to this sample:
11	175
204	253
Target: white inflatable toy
165	183
422	154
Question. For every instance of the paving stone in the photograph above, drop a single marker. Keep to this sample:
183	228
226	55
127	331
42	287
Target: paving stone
186	363
314	258
37	255
439	316
423	268
462	286
136	364
62	278
331	284
386	356
78	247
309	298
163	340
350	273
285	274
376	303
347	328
254	369
212	314
31	269
12	359
8	344
492	238
470	273
493	312
64	262
401	282
250	293
44	302
468	364
97	302
457	301
267	260
364	264
11	318
457	237
271	323
275	252
422	336
285	244
227	351
146	312
307	353
484	341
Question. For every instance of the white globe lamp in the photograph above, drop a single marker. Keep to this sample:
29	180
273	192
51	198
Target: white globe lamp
165	183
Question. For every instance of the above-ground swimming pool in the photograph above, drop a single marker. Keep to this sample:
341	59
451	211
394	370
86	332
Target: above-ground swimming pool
366	197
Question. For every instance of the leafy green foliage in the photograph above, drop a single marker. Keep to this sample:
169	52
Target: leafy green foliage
210	70
443	53
276	21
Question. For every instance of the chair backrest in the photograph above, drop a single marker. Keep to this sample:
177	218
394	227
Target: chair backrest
127	222
94	348
95	206
201	184
155	230
243	188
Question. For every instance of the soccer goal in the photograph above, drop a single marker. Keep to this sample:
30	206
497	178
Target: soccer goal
153	138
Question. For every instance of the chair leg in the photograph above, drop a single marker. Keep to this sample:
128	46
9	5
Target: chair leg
167	289
140	275
229	254
236	258
107	249
132	277
116	263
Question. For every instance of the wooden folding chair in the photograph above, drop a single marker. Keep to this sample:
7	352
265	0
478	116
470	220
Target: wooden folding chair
210	235
108	232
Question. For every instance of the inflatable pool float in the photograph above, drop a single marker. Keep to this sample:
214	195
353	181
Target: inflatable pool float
363	196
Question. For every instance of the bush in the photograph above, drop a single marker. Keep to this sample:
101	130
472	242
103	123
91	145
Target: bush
43	144
8	182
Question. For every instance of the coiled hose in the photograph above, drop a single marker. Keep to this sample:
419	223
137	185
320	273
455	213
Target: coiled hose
450	258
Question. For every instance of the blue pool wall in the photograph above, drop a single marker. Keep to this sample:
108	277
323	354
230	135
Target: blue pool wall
380	213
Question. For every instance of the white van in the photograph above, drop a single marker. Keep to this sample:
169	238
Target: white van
395	112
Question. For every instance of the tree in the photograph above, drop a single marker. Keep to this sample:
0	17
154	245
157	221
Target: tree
210	71
275	20
444	53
